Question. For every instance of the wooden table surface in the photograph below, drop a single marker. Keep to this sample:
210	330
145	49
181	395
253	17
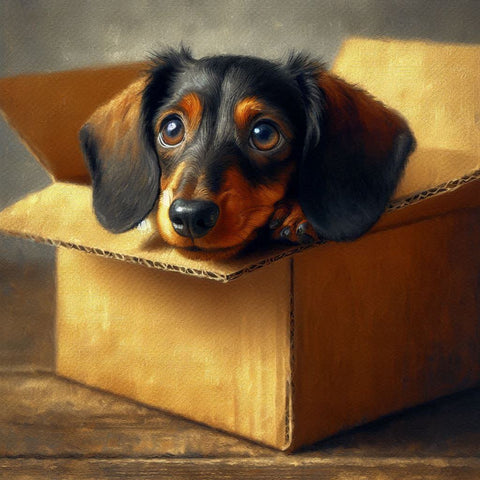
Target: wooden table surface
52	428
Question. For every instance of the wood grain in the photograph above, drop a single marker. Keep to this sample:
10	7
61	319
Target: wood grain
51	428
27	306
46	416
202	469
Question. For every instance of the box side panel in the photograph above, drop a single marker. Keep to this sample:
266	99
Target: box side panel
215	353
386	322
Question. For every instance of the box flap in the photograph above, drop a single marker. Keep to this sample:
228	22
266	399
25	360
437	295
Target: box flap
47	111
436	87
416	78
62	215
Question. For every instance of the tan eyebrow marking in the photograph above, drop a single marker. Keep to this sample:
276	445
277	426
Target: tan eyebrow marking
250	107
191	106
246	110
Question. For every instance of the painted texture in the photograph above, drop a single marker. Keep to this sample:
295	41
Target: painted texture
49	36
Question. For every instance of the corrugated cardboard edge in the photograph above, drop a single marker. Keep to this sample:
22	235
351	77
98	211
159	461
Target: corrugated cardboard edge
446	187
223	278
290	387
401	203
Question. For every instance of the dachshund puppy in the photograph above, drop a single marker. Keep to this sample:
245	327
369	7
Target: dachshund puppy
224	148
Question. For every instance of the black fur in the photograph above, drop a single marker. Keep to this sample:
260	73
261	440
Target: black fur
124	192
222	81
343	195
341	191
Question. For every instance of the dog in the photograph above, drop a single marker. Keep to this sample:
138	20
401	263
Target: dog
225	150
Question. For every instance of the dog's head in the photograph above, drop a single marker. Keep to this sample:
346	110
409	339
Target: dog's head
214	144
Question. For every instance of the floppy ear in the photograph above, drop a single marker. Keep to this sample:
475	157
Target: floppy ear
123	165
350	170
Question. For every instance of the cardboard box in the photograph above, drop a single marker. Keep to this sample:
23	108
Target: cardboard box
285	346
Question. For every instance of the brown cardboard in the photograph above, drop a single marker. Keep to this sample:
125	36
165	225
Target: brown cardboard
75	226
435	87
218	353
387	322
297	351
47	110
318	340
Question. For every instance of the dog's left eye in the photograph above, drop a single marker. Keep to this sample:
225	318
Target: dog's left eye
264	136
172	131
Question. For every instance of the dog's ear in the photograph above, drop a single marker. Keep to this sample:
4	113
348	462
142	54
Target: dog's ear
355	152
123	166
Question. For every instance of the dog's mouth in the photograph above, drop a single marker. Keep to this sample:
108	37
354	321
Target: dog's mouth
259	238
231	233
193	248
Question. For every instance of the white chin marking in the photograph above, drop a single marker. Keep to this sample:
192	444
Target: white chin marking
145	225
166	197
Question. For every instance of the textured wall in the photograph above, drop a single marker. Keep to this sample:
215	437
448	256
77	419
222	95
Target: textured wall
46	35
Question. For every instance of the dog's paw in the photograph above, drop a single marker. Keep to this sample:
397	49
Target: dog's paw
289	225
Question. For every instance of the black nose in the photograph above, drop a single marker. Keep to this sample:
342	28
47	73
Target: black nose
193	218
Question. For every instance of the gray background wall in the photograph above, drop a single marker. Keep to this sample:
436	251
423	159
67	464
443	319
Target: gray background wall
49	35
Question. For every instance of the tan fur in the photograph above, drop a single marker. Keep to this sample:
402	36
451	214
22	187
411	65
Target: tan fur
243	209
168	194
250	107
246	110
189	109
191	105
116	123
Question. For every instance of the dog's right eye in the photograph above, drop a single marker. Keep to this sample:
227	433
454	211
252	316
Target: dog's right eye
172	132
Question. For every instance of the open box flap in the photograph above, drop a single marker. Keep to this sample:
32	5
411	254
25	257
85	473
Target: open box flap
47	111
435	86
62	215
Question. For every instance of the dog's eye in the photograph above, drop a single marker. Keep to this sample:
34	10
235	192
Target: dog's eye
264	136
172	131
